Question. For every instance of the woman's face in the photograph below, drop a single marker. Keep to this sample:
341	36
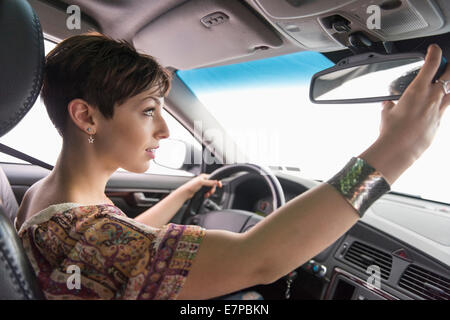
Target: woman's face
137	126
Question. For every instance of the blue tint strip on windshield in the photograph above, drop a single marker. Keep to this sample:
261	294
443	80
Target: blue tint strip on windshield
286	70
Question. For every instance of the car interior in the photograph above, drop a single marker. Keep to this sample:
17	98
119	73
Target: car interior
407	237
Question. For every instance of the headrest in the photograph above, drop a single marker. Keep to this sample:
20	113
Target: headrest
21	61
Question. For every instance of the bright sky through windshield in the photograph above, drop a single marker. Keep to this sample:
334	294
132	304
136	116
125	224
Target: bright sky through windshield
274	123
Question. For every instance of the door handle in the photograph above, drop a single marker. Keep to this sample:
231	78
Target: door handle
143	201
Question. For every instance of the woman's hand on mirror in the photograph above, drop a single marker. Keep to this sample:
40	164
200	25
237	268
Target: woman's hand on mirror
414	120
198	182
409	126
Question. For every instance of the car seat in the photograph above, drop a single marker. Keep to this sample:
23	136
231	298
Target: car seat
21	65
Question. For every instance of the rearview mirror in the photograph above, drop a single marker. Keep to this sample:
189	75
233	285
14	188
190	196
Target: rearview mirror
368	77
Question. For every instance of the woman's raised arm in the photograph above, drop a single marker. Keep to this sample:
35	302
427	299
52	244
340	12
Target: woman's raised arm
311	222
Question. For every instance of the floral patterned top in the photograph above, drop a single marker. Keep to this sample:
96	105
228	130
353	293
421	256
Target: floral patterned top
117	257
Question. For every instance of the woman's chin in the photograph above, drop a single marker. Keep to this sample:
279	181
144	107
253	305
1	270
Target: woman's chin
138	169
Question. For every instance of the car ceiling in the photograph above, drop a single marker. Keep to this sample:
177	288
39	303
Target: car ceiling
186	34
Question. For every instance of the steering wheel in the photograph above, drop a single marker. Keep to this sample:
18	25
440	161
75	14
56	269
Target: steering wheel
232	219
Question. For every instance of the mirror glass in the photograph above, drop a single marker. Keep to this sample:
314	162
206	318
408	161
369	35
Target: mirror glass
368	81
171	153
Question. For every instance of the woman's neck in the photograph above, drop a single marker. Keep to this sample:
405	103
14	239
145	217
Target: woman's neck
81	176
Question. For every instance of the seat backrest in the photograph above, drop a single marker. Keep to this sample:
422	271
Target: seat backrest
7	198
17	278
21	65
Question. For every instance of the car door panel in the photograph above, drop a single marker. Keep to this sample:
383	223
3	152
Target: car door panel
132	193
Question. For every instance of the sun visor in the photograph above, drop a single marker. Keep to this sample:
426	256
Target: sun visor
202	32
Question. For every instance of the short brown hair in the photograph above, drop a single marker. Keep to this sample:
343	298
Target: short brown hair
101	71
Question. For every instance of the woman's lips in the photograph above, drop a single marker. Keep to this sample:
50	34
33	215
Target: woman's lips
150	153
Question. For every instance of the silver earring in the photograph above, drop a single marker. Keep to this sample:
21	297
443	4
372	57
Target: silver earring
90	139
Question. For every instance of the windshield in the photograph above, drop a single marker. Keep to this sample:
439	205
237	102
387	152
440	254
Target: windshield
264	106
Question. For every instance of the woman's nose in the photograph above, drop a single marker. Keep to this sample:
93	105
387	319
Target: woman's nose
162	131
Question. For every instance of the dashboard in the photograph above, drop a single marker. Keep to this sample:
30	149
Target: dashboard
263	206
343	270
249	192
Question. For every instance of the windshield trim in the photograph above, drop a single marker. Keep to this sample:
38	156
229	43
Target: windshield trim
407	195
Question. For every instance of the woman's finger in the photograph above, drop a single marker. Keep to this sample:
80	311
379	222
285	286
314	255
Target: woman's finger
210	192
444	104
209	183
205	176
214	184
439	85
387	105
431	64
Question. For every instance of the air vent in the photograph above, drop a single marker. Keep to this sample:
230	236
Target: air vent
425	284
364	256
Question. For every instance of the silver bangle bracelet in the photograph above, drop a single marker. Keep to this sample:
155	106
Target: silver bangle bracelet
360	184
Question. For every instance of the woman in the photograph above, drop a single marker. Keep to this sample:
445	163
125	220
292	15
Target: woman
105	101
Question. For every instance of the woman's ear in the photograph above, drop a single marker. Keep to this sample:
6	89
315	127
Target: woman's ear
82	115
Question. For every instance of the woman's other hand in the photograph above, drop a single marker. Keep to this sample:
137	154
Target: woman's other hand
198	182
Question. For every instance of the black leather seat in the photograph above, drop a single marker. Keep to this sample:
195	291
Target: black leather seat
21	65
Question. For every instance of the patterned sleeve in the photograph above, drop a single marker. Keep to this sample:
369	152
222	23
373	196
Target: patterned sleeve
118	258
172	254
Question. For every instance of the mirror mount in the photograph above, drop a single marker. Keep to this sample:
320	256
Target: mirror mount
390	47
359	42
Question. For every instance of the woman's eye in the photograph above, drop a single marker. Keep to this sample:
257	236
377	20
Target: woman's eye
150	112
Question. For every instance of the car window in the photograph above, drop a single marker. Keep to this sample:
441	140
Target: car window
264	106
36	136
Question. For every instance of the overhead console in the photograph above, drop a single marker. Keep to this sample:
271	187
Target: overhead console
324	25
